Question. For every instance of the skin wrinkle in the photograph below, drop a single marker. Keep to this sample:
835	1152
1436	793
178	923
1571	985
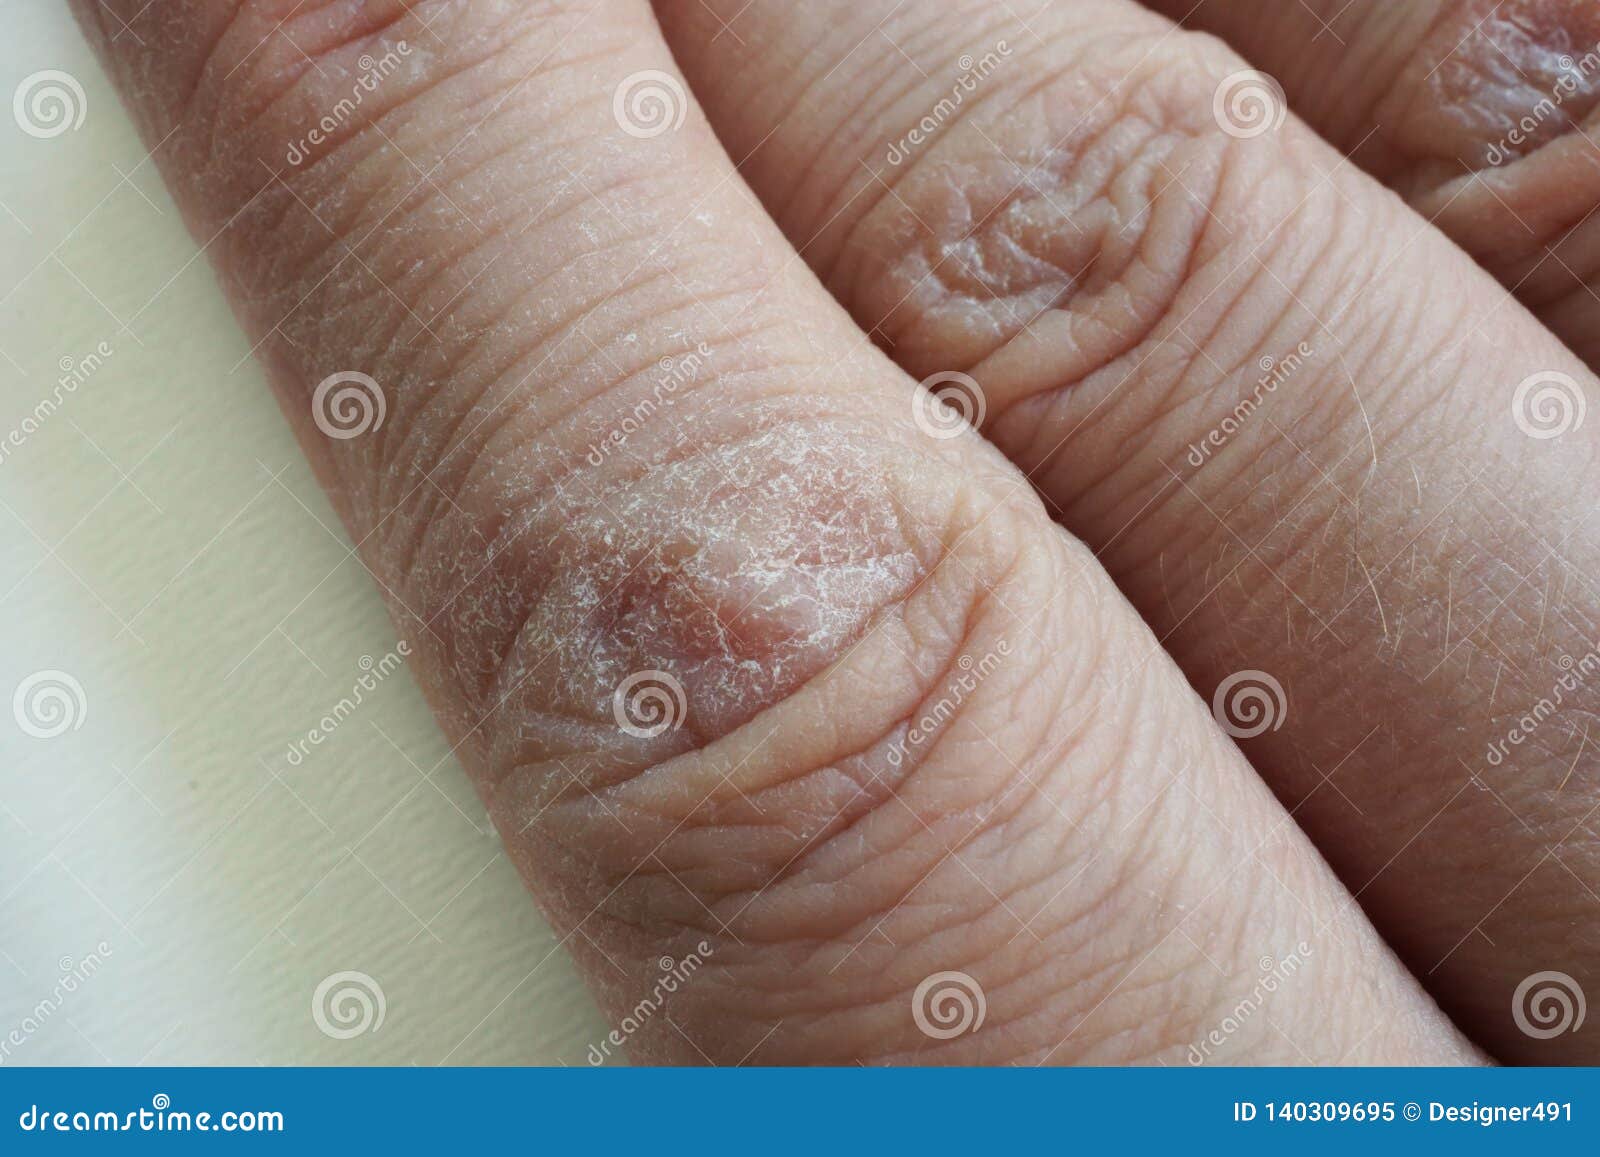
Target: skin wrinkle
400	228
970	928
552	424
1056	75
496	49
848	130
482	435
789	809
1092	279
870	113
186	105
1173	390
549	345
1025	973
801	872
1016	273
447	269
1431	99
1168	274
811	167
271	74
930	752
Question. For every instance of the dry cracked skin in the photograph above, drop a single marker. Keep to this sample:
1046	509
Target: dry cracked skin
1481	113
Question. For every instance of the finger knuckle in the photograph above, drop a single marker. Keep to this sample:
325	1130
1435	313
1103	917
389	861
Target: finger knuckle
1487	84
761	696
1059	227
1487	129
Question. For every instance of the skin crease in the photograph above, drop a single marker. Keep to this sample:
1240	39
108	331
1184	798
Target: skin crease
1482	113
1245	390
921	730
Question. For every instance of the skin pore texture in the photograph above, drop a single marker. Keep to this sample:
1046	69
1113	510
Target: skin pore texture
791	681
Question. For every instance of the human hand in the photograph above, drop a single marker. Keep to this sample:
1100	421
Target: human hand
630	446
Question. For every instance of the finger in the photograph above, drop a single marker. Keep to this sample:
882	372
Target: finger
787	708
1482	113
1225	359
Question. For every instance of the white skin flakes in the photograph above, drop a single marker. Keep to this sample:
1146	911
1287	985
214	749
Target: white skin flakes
738	573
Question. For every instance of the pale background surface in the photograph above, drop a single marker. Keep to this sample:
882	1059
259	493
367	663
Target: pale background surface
165	545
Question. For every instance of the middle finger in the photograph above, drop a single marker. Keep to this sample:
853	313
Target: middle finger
1284	410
